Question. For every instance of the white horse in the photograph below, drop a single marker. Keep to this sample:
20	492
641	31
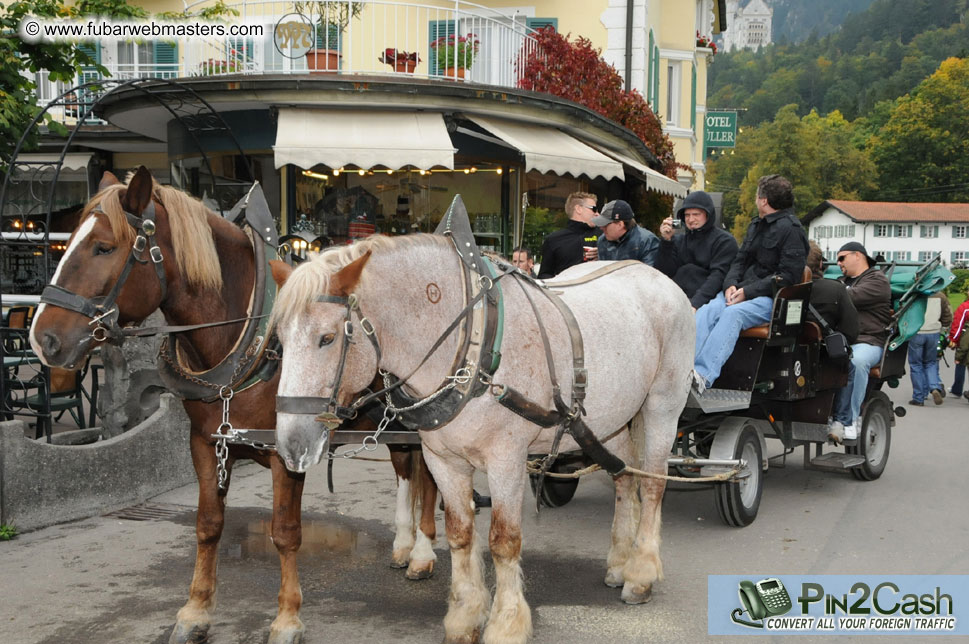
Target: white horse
638	333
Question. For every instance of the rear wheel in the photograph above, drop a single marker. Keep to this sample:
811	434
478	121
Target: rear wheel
739	502
875	440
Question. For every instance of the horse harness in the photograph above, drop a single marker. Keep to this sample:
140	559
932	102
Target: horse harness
476	360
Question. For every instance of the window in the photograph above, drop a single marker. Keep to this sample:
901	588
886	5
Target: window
960	257
847	230
902	231
899	256
959	232
672	93
881	230
928	232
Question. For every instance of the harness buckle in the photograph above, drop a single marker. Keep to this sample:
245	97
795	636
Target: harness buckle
330	420
462	376
367	326
485	282
100	334
156	254
352	301
348	328
141	242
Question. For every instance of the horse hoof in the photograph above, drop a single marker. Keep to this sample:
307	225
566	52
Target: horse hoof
636	594
614	579
420	571
291	635
471	638
400	558
189	634
398	564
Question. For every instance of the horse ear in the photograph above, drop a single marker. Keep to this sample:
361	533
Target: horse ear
281	271
107	180
138	196
344	281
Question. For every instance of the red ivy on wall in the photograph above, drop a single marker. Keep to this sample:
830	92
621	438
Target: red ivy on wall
576	71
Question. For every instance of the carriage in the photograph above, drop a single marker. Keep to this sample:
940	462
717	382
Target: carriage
779	383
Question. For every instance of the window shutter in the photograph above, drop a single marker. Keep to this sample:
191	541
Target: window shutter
437	29
166	59
693	100
649	69
541	23
655	77
329	38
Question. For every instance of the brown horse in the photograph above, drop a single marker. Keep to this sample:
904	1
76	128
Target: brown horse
196	267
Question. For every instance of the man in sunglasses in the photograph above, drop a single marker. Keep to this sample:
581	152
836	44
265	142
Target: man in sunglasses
567	247
872	296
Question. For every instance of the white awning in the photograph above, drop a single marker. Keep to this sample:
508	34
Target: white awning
654	180
336	138
72	160
549	150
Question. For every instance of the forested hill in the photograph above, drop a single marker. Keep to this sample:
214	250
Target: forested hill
879	54
796	20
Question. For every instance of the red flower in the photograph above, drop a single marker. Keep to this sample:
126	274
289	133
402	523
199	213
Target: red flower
392	56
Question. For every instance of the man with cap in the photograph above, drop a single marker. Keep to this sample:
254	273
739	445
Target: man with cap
772	256
566	247
699	259
622	237
872	296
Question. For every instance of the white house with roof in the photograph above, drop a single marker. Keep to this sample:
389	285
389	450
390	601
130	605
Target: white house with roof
898	231
749	27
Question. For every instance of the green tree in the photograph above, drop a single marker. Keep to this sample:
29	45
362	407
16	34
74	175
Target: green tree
922	151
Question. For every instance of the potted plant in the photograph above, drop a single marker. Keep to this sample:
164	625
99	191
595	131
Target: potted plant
705	42
454	54
329	19
401	61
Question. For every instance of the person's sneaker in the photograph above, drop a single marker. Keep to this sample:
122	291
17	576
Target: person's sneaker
836	432
942	391
916	403
937	396
699	383
851	432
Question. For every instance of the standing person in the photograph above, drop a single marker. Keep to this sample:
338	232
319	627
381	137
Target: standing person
564	248
872	296
772	256
622	237
923	350
522	258
699	259
959	340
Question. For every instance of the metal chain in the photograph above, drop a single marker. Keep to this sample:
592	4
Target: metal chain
246	359
455	380
535	467
369	443
222	438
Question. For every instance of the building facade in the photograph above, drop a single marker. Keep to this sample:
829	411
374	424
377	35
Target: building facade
896	231
750	25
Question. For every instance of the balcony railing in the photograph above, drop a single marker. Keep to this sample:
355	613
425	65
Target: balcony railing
369	29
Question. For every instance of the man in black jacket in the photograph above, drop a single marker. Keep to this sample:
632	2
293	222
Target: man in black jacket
772	256
698	259
565	247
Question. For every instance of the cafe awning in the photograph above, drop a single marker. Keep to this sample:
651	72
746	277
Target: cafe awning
337	138
654	180
549	150
72	160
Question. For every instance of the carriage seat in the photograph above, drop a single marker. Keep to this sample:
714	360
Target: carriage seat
762	332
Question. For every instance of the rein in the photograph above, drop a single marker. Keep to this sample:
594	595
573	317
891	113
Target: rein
101	310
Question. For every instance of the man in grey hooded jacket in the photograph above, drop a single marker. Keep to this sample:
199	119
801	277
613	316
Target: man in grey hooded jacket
698	259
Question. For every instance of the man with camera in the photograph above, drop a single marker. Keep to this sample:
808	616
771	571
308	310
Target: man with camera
699	258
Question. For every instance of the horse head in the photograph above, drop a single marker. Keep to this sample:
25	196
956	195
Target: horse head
320	329
112	273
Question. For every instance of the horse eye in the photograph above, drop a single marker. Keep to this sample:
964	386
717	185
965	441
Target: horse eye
101	249
326	338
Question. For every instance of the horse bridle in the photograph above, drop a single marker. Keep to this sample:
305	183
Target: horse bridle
101	310
327	408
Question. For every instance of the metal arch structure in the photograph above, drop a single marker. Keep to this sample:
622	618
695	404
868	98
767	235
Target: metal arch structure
38	181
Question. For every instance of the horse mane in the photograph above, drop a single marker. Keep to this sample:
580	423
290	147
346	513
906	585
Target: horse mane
312	277
195	253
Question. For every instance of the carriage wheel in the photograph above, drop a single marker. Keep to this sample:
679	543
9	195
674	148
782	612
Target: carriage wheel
875	440
555	492
738	502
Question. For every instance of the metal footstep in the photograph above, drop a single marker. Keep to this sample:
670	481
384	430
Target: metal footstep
837	462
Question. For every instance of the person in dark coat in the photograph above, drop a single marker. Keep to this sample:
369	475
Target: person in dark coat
772	256
566	247
698	259
622	238
830	298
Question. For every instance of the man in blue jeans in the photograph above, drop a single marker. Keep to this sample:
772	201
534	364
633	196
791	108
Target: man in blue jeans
772	256
872	296
923	351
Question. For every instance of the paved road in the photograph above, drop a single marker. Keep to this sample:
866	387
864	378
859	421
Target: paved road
108	579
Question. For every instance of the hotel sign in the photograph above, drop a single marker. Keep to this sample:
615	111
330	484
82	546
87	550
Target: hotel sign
720	129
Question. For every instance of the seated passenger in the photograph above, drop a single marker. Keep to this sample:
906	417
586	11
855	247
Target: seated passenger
772	256
830	298
622	237
872	296
699	259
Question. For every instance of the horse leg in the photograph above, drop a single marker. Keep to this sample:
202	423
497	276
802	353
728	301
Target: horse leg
510	621
404	515
193	620
422	557
644	565
287	535
468	600
626	516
